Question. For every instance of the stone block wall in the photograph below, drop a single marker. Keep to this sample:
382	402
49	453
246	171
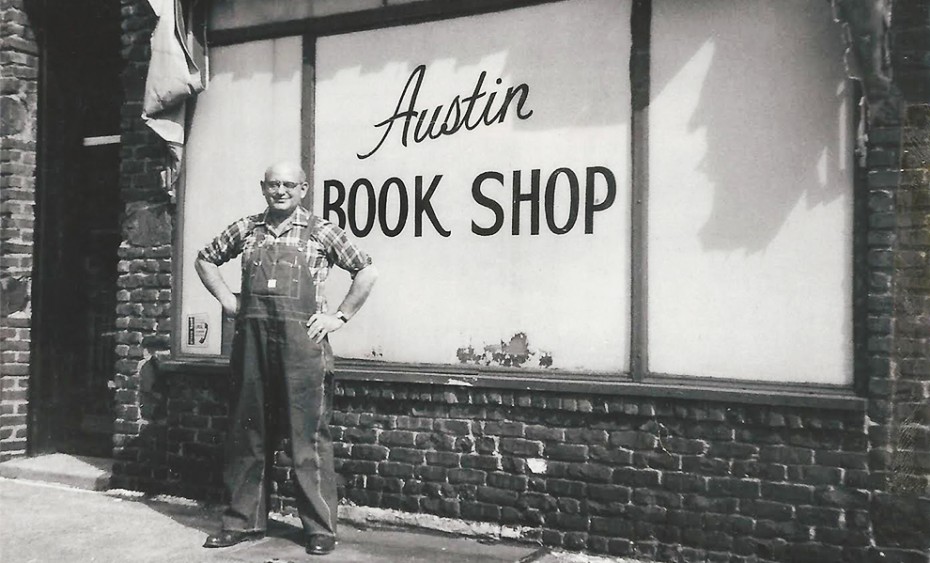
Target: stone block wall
19	72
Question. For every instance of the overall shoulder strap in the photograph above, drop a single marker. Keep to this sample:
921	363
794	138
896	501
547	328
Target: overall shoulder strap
313	229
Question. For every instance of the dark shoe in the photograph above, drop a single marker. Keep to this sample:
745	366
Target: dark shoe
321	545
227	538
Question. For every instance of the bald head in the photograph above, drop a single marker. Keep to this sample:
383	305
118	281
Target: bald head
285	169
284	187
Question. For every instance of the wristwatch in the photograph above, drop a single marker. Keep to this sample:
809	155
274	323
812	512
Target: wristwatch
342	316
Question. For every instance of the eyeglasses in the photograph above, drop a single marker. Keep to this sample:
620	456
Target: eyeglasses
278	184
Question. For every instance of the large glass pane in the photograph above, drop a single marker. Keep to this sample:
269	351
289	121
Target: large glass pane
750	195
532	101
248	118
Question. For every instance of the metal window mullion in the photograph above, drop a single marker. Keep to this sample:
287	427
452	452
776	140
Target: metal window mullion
640	22
307	107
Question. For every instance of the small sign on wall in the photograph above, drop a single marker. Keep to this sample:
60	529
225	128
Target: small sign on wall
198	328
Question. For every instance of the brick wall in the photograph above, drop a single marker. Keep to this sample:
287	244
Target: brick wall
899	456
144	296
19	63
901	435
910	428
670	479
674	479
911	416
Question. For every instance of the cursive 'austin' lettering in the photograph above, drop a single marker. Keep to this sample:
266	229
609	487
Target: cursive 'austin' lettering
461	112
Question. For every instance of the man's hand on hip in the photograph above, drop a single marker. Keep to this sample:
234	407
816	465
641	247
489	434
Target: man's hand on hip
321	324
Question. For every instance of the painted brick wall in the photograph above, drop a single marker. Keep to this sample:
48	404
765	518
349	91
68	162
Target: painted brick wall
19	64
677	480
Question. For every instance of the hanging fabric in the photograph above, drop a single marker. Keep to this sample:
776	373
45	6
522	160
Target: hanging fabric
174	77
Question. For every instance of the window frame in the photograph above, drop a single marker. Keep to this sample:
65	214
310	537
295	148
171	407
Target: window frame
638	380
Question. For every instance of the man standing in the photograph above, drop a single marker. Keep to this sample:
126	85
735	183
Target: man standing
281	359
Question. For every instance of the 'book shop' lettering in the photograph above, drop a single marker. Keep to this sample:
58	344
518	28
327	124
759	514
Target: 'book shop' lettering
390	205
530	197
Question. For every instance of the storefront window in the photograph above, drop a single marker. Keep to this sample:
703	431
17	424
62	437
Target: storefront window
513	128
247	118
750	192
485	163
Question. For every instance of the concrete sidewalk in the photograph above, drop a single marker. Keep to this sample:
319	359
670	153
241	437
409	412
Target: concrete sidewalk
44	522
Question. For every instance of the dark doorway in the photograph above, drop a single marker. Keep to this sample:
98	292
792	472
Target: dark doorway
77	234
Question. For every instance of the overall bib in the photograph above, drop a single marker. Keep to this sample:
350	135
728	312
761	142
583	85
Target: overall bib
282	387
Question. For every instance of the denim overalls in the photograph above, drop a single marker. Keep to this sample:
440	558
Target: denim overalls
282	382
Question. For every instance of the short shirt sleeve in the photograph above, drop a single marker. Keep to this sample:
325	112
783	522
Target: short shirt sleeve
340	250
229	243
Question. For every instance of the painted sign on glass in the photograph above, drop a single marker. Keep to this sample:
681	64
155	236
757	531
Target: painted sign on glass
484	163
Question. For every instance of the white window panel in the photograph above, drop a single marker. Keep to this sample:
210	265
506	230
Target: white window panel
750	194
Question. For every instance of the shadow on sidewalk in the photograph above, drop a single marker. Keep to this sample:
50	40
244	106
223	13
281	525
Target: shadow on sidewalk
206	518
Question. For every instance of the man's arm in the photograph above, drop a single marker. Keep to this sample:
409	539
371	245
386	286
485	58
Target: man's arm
322	324
210	276
359	290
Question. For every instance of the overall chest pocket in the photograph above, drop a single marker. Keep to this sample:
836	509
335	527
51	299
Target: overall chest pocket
276	271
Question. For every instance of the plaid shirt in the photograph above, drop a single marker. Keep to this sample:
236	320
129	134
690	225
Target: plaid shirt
327	245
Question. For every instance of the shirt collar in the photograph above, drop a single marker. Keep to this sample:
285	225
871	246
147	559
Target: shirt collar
299	218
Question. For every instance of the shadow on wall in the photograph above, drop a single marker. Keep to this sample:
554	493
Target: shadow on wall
770	143
775	129
513	37
586	29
